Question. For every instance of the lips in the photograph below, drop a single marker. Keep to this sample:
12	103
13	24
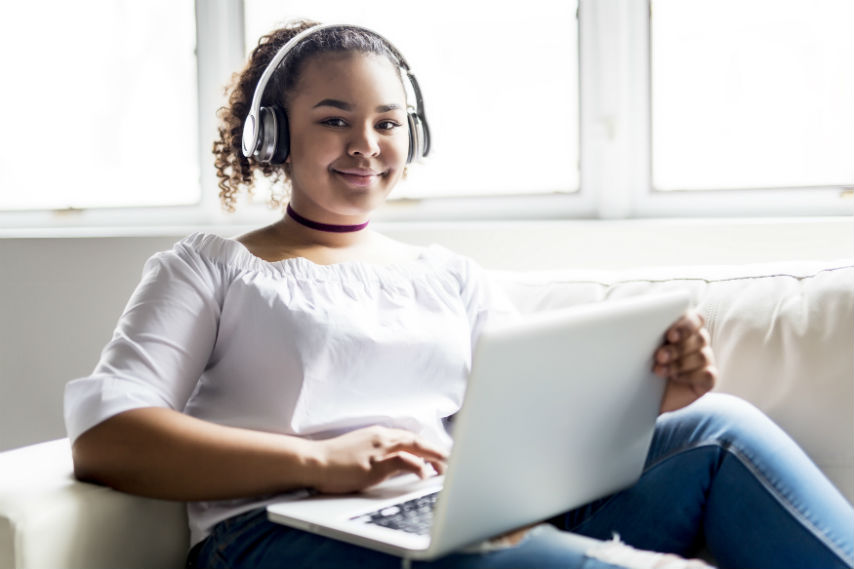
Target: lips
359	177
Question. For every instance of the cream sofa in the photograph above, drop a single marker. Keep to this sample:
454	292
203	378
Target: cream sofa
783	334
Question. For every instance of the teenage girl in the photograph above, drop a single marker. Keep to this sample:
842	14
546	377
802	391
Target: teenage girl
317	353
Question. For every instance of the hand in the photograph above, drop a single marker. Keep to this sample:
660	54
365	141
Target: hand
686	361
365	457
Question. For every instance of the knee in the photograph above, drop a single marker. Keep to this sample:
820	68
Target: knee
725	408
719	419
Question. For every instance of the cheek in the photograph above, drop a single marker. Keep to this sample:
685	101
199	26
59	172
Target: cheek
311	154
398	148
319	148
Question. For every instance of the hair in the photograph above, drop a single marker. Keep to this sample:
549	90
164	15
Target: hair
237	172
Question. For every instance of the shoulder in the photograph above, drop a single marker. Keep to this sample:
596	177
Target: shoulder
208	249
199	257
193	251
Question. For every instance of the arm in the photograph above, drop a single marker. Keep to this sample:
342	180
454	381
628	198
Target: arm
686	361
165	454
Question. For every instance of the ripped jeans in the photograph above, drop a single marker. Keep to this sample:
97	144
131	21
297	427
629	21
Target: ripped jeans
720	477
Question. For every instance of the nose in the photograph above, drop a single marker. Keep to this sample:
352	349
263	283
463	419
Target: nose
364	142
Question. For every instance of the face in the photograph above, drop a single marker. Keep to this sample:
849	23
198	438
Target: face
349	136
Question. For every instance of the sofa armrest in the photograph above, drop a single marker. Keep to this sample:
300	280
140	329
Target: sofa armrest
49	519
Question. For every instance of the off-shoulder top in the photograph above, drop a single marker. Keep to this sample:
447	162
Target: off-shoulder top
290	346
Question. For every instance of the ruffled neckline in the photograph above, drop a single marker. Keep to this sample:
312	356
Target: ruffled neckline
232	253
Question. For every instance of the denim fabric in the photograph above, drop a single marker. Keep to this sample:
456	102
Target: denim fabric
251	540
720	475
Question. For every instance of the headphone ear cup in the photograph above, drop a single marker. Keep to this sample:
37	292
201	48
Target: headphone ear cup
412	119
273	135
419	137
283	142
424	133
416	137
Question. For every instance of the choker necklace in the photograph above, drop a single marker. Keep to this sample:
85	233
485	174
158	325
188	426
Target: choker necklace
324	226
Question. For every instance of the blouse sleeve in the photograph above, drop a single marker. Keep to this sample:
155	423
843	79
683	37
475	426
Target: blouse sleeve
160	346
486	303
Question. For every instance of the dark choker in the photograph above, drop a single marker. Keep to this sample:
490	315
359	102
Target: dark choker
324	226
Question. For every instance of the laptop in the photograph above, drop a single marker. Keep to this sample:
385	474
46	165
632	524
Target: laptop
559	411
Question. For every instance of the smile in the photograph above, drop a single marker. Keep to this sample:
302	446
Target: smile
358	177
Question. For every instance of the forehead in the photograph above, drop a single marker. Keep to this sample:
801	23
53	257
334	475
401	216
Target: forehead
349	76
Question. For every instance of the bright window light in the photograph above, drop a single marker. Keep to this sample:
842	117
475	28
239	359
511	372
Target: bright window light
752	94
99	101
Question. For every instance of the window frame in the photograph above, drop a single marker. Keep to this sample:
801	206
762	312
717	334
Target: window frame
615	145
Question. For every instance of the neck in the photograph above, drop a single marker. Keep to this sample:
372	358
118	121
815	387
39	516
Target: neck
327	227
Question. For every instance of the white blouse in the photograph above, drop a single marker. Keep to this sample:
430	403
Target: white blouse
290	347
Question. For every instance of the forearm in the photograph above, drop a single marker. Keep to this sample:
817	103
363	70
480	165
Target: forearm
165	454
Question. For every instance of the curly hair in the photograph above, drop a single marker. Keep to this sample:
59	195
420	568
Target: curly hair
238	173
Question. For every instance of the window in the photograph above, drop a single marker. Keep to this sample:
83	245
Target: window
99	103
752	94
545	110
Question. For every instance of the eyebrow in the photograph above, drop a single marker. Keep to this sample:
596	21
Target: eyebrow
345	106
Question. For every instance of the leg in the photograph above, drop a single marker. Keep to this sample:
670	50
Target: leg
250	540
721	474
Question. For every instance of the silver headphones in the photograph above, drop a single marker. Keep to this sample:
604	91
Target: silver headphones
265	131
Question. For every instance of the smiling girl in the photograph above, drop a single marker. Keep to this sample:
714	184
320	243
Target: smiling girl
317	353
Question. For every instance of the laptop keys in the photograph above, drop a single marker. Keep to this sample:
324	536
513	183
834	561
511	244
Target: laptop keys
413	516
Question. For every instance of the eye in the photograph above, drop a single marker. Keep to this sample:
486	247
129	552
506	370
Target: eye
334	122
388	125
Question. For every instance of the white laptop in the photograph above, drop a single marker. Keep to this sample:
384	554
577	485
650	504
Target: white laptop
559	411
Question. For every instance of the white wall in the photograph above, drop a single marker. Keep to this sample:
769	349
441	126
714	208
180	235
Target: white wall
61	295
527	245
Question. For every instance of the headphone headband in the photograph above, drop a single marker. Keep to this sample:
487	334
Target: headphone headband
256	141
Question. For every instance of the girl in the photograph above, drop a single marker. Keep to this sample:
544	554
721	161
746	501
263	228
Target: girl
317	353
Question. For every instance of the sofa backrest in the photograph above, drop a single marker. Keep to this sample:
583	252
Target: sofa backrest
783	335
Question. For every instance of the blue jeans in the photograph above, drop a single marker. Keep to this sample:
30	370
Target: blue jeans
720	476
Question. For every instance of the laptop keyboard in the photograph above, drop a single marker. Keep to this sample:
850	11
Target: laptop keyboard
413	516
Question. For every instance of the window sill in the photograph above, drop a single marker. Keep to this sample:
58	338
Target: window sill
548	244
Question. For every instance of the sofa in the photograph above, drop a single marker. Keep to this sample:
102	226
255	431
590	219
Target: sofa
783	334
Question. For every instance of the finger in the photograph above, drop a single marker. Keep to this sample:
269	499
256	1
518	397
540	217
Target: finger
439	461
440	466
670	353
681	370
400	462
691	362
687	325
387	441
420	448
700	380
690	342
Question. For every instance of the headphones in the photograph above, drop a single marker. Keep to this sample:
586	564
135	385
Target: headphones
265	131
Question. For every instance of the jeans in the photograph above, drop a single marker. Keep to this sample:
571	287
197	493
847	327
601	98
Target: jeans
720	477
